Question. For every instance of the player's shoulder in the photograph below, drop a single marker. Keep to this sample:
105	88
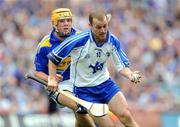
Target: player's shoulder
81	36
80	32
113	39
76	31
45	42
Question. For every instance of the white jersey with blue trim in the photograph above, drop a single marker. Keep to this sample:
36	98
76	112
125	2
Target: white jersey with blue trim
89	60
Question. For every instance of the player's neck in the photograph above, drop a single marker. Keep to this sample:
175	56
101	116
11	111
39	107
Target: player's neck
60	38
97	40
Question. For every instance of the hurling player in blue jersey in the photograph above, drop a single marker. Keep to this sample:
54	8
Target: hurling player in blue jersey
62	28
90	51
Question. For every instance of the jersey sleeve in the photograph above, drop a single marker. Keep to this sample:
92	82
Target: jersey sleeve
64	49
41	60
119	57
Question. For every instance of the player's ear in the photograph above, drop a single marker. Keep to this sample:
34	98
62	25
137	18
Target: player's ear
108	17
90	25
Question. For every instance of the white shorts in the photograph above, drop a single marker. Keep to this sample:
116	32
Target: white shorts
66	85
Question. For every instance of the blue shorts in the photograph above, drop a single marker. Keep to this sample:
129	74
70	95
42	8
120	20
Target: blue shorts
102	93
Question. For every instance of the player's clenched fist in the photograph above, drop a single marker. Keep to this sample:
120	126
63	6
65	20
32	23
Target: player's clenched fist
135	77
59	78
52	84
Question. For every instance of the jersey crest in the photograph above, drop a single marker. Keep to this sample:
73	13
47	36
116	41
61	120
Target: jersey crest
97	67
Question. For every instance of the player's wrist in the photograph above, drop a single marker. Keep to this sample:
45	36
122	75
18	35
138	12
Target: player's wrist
51	78
130	76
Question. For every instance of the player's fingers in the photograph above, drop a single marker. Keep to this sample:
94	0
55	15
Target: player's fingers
137	82
50	88
59	76
138	77
138	74
58	80
54	89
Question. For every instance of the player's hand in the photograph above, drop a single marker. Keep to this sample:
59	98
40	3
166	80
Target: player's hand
59	78
135	77
52	84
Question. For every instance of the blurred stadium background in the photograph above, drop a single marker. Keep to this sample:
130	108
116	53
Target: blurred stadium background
150	31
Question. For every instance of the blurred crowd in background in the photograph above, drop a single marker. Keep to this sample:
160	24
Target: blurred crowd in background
150	35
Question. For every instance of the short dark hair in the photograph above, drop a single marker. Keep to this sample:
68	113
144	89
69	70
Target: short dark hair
98	14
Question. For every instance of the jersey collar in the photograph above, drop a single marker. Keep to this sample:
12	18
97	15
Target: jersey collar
54	39
93	40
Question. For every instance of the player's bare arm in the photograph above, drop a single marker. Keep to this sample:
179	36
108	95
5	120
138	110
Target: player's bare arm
52	82
41	75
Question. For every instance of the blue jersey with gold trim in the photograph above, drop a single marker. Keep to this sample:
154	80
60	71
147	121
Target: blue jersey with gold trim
47	44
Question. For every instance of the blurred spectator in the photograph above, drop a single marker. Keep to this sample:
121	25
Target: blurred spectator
149	29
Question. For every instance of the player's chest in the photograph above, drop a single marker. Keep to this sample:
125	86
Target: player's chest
96	53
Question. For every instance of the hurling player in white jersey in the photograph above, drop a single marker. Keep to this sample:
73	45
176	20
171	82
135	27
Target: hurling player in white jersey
90	51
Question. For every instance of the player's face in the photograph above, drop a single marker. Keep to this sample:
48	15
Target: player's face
99	29
64	25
